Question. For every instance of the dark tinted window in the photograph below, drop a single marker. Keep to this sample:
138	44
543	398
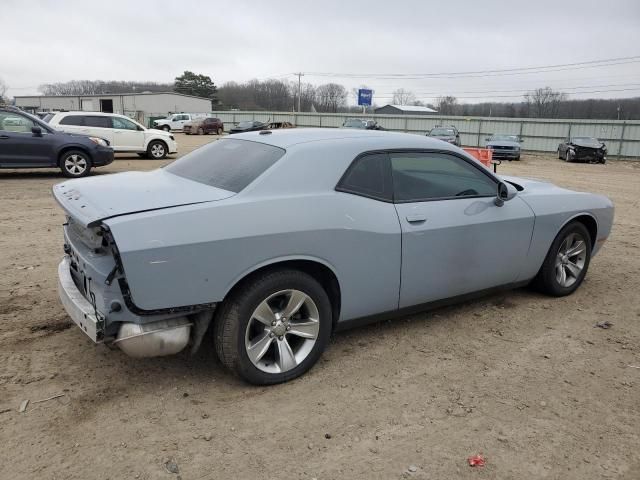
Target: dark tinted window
95	121
77	120
227	164
368	176
123	124
424	176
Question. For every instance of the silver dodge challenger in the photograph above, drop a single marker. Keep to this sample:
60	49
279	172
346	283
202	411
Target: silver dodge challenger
276	239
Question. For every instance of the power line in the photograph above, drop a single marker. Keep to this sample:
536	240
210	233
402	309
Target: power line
488	73
516	96
451	92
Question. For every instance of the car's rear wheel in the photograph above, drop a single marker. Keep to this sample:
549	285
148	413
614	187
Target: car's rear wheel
567	261
274	328
220	131
75	164
559	155
166	128
200	131
157	150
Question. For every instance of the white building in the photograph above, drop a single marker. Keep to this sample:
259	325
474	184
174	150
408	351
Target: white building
405	110
140	106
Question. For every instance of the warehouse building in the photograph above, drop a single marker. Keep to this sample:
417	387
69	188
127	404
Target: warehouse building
404	110
140	106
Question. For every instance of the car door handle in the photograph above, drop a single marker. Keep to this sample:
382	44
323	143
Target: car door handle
4	137
416	218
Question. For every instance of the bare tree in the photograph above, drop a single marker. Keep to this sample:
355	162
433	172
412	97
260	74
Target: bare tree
98	87
447	105
403	97
331	97
3	90
544	102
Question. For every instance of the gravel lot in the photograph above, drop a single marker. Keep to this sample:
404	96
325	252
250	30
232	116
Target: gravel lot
524	379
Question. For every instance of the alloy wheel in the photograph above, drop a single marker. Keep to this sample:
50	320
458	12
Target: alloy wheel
157	150
75	164
282	331
570	259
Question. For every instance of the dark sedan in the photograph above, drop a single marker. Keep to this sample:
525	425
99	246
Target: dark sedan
504	147
362	124
582	149
249	126
27	142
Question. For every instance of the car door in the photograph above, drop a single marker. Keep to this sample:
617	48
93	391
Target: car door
19	146
178	121
72	124
455	239
127	137
98	126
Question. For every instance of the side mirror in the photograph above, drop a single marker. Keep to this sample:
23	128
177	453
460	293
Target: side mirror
37	131
505	193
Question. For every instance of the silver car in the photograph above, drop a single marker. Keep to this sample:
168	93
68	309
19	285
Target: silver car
276	239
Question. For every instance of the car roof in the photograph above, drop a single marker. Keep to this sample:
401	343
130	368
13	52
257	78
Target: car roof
95	114
286	138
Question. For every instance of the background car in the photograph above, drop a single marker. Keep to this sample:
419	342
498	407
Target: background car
583	149
204	126
123	133
224	237
361	124
278	125
249	126
504	147
27	142
176	121
448	134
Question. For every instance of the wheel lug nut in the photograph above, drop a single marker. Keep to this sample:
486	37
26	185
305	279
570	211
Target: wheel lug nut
272	335
280	338
273	324
288	327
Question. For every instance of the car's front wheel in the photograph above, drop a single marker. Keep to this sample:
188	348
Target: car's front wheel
220	131
567	261
157	150
75	164
166	128
274	328
568	156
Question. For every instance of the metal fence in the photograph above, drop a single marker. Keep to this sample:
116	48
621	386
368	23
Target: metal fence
541	135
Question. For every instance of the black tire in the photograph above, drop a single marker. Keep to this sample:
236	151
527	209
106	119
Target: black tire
157	150
518	158
546	280
200	131
166	128
559	155
219	131
75	164
231	321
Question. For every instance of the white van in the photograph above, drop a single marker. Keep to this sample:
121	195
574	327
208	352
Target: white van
122	133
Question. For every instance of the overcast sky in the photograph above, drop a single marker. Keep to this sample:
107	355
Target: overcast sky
46	41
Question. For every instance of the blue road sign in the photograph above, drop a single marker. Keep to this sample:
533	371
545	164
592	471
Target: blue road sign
364	97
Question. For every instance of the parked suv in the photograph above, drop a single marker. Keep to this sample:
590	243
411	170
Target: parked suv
27	142
123	133
204	126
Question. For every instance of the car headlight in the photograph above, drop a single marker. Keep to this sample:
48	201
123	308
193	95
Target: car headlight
489	147
99	141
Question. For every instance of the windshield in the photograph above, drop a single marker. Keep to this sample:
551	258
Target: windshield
354	123
443	132
245	124
586	139
504	138
227	164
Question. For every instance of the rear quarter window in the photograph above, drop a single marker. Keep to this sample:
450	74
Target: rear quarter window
227	164
76	120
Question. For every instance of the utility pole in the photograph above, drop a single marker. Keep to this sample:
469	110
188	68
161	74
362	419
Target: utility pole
300	75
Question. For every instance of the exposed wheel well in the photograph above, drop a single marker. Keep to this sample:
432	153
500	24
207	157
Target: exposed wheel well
68	149
318	271
158	141
591	226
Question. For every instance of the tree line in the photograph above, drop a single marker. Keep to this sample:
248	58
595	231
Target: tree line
282	95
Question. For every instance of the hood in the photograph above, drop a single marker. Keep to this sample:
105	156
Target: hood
90	200
446	138
502	143
588	144
531	185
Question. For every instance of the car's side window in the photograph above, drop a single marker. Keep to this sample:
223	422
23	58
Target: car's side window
97	121
421	176
123	124
368	176
11	122
73	120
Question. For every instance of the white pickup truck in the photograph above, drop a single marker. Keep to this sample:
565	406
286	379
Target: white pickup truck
176	121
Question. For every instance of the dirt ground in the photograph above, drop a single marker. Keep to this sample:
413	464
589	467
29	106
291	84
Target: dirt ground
523	379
